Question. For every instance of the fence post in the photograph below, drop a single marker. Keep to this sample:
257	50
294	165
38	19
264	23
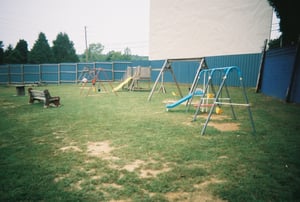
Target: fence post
22	73
40	74
58	73
9	75
112	72
76	80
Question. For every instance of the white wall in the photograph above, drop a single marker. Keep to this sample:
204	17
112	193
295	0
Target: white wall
198	28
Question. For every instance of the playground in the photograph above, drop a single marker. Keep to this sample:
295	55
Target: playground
106	147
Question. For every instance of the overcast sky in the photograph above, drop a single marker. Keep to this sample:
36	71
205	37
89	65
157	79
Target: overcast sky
116	24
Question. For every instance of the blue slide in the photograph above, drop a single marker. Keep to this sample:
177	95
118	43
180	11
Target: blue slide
169	106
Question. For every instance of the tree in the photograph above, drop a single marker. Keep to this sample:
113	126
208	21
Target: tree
1	52
127	54
118	56
288	11
63	49
21	52
41	51
114	56
95	52
8	55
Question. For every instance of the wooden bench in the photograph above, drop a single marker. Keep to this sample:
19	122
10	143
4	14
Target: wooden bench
43	96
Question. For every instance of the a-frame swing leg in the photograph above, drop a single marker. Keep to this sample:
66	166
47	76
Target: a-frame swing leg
89	90
157	79
209	84
248	107
202	98
213	107
82	87
111	86
231	106
162	87
103	86
174	78
166	66
202	65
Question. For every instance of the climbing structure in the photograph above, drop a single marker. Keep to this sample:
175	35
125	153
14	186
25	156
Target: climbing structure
140	74
133	76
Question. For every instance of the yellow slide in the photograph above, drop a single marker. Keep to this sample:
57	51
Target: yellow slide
122	84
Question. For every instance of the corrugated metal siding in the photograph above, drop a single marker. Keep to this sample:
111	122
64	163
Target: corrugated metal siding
143	63
4	70
185	71
68	72
31	73
295	97
248	63
277	73
15	72
156	66
119	69
49	73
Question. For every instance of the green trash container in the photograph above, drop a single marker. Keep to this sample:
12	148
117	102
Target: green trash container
20	90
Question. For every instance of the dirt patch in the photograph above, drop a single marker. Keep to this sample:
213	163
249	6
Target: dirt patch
134	165
96	148
178	196
198	196
142	168
77	185
225	126
220	126
214	117
147	173
113	185
70	148
120	200
101	150
208	182
188	123
223	157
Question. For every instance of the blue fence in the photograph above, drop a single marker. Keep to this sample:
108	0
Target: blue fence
114	71
281	74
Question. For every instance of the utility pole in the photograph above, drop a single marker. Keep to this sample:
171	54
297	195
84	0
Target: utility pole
86	46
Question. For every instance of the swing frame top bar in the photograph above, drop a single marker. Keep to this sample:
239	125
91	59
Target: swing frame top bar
184	59
226	69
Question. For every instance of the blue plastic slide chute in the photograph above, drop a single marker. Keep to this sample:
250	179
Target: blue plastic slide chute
189	96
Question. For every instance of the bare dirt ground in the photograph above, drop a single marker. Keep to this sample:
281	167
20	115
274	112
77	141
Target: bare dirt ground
104	151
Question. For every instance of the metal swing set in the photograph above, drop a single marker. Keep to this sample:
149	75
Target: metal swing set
93	75
209	89
217	100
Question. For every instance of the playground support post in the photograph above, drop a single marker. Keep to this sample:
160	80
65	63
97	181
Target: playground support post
157	80
166	67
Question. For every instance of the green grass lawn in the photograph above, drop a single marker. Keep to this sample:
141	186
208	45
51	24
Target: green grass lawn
107	147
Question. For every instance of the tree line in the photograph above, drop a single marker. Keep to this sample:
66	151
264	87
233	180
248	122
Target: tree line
62	51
